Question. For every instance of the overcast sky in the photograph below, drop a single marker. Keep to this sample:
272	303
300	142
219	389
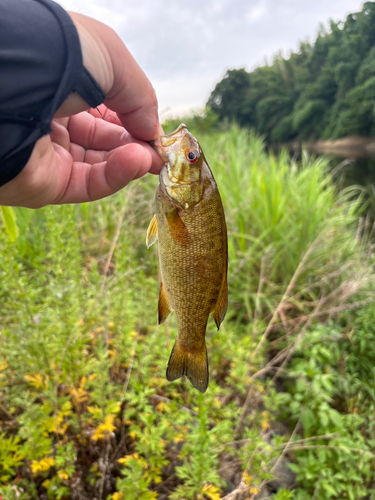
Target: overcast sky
186	46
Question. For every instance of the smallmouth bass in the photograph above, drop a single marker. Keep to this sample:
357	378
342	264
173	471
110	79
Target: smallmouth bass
193	251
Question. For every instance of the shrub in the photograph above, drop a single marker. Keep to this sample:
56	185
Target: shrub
85	409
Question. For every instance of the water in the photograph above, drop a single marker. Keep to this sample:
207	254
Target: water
351	169
358	171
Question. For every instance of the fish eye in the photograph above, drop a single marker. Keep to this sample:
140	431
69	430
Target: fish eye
192	156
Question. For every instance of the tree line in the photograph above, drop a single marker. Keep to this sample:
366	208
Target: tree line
326	90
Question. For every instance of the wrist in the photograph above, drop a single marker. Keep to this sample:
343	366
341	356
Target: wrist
95	40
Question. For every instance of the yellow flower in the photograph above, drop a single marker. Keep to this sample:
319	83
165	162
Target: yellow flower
36	380
79	394
217	403
246	478
55	424
63	474
265	424
125	460
112	354
211	491
117	496
162	406
179	438
42	465
104	430
3	366
133	434
181	435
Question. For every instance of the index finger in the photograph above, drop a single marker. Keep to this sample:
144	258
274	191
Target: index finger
129	91
133	97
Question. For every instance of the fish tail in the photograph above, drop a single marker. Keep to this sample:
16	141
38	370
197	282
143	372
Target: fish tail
192	364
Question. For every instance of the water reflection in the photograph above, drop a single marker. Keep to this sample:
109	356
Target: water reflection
360	171
350	167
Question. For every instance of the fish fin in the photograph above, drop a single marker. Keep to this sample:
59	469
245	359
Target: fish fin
176	227
221	305
192	364
152	232
165	307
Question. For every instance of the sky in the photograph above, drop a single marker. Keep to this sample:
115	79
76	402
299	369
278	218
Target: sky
186	46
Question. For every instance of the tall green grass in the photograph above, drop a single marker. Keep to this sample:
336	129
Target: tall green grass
280	213
85	409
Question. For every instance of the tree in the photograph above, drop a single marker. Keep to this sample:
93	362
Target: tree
229	96
326	89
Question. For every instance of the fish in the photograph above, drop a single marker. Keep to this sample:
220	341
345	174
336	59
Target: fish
191	230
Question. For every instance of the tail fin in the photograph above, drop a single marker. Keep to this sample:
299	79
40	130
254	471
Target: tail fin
192	364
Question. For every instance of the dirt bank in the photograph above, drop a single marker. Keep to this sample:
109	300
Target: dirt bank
352	146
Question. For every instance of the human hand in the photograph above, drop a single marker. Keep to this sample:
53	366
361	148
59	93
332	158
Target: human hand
87	157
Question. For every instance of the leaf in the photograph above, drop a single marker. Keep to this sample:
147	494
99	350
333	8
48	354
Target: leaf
307	419
323	418
113	407
329	489
294	467
335	417
327	382
283	494
10	223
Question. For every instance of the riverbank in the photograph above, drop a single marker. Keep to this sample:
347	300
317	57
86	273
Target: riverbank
354	146
85	408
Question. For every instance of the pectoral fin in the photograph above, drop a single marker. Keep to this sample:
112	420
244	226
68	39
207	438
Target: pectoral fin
152	232
176	226
221	305
165	307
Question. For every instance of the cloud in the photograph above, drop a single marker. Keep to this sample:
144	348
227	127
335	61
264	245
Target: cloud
185	47
256	12
179	95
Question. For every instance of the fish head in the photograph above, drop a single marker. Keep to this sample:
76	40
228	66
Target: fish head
182	155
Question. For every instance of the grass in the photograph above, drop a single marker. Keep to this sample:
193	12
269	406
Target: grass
85	409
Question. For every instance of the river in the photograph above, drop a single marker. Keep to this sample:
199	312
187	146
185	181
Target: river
350	165
354	170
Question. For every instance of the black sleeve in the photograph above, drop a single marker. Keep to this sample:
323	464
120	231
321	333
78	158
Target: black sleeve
40	65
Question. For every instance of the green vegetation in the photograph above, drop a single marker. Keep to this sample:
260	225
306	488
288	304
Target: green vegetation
325	90
85	409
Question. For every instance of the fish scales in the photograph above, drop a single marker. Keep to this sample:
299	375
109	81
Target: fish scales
193	299
193	252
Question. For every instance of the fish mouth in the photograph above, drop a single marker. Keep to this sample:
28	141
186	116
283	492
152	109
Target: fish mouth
167	141
158	147
176	134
